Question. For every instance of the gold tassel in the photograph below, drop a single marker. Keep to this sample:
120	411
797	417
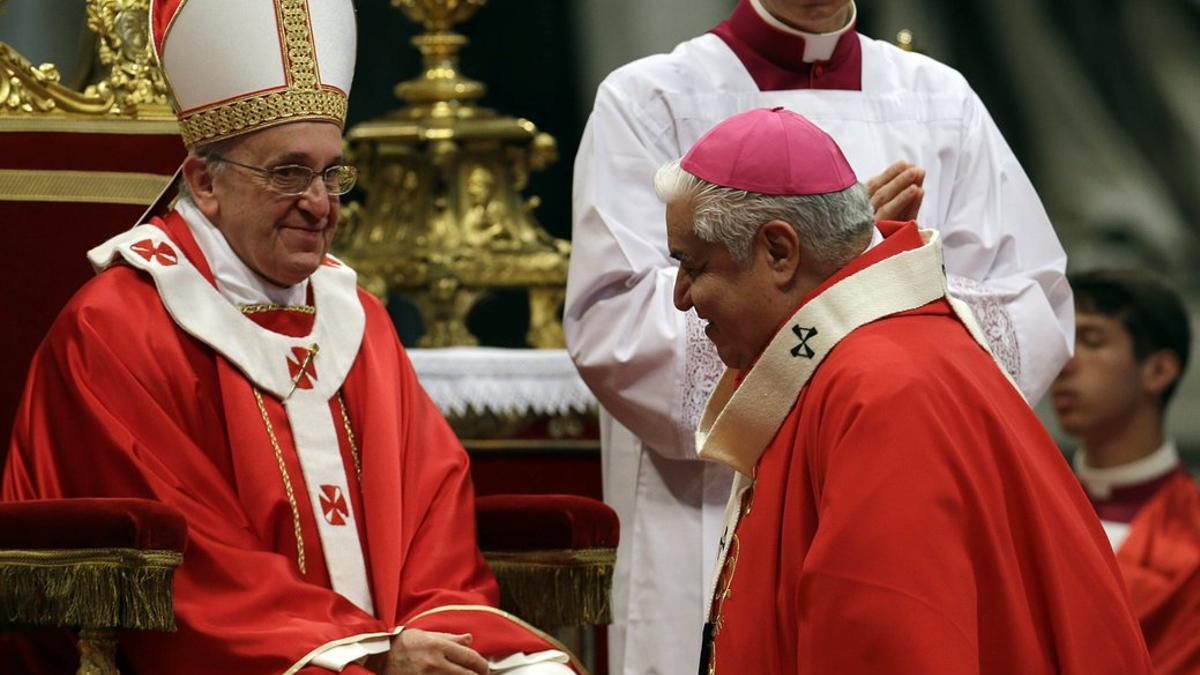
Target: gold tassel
94	588
550	589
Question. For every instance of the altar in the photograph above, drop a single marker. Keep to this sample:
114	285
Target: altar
524	415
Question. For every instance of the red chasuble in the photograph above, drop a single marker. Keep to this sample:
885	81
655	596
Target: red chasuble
122	402
1161	563
910	515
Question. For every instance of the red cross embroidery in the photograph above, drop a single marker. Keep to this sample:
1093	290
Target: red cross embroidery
302	367
163	254
333	504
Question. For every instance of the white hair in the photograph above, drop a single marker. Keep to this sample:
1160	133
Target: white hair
831	226
207	151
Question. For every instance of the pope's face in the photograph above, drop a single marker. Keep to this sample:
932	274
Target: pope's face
736	301
282	238
813	16
1100	388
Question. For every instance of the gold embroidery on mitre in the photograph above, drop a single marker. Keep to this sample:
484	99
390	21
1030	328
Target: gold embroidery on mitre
302	98
298	41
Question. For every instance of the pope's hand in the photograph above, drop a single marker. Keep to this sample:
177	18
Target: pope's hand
896	193
418	652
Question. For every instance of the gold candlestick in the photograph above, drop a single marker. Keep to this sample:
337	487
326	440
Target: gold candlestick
444	221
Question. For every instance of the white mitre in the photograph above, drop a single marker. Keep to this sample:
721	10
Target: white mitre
236	66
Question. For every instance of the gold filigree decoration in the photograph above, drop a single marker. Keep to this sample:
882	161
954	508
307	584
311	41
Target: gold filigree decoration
303	97
302	71
26	88
440	87
223	121
124	46
134	86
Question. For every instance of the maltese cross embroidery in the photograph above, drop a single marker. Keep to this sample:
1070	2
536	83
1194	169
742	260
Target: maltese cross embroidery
804	334
333	505
163	254
301	368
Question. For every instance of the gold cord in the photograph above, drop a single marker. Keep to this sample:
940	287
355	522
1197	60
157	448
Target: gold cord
287	482
267	307
350	438
716	614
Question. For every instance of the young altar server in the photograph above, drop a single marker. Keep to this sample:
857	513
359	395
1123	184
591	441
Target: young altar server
1131	349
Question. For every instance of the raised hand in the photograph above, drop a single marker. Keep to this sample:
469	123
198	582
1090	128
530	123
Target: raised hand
896	193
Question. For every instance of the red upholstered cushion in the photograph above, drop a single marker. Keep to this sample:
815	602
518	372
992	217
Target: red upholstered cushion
91	523
541	522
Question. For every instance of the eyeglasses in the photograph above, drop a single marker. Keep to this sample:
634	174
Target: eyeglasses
293	179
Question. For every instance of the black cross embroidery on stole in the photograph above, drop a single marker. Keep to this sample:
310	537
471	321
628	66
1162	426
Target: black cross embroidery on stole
804	334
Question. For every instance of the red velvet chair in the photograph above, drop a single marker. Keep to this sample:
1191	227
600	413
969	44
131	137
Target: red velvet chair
92	565
75	169
552	555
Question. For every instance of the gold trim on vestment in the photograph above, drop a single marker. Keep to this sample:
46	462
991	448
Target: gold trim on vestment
716	615
93	187
268	307
303	97
515	619
350	439
287	481
361	637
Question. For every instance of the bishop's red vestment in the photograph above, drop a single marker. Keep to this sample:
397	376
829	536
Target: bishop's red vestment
1160	560
899	509
128	397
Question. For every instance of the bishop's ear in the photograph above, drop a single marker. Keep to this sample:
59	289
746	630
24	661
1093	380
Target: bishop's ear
781	247
198	175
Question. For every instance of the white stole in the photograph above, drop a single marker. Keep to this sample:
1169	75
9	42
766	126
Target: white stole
271	361
740	420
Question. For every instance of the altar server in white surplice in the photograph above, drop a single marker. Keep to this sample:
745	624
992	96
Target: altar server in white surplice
937	157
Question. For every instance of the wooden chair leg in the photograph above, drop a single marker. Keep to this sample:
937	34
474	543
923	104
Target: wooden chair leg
97	652
581	640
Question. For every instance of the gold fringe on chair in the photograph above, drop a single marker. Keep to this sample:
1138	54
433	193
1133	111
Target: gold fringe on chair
550	589
114	588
